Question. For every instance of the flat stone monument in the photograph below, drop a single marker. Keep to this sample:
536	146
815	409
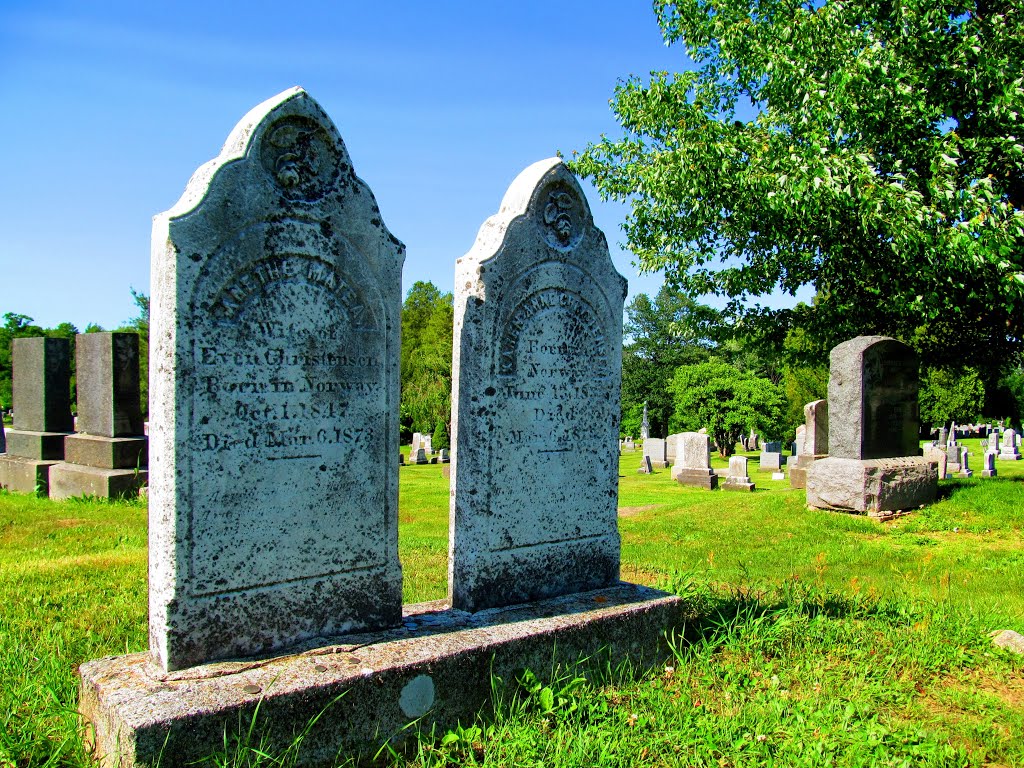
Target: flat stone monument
536	374
41	370
276	293
738	478
693	465
657	450
989	470
873	464
108	456
1008	449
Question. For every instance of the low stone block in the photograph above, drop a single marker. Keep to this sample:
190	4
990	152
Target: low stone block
371	688
107	452
702	478
736	485
67	480
44	446
872	485
770	461
23	475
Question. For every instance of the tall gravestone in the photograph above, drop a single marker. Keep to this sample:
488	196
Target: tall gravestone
536	375
107	457
276	292
657	449
41	383
1009	449
873	464
693	464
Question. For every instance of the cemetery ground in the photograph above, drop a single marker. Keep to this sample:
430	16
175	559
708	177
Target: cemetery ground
813	638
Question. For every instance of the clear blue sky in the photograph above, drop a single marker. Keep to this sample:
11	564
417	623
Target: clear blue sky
108	108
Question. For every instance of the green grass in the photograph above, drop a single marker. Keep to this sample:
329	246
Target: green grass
814	638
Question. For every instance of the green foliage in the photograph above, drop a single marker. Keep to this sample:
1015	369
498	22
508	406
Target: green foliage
140	324
727	402
20	326
661	334
883	165
951	395
426	359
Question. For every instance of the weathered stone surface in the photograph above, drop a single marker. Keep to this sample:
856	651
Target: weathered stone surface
738	478
370	688
939	458
1008	449
646	467
68	480
536	375
871	485
1008	639
656	448
701	478
801	438
107	384
276	292
965	469
816	426
770	461
872	399
24	475
41	385
672	448
989	470
107	452
42	446
693	465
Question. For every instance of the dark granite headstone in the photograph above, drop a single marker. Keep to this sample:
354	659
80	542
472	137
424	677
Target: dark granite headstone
108	384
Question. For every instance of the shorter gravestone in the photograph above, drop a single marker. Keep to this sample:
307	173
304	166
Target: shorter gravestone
738	479
965	470
421	456
107	458
443	456
752	444
938	456
771	459
873	464
989	470
943	436
993	440
645	466
41	384
672	448
628	444
655	448
693	465
814	445
1008	450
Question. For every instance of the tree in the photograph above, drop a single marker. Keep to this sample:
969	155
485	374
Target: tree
868	148
660	335
426	359
950	395
727	402
140	325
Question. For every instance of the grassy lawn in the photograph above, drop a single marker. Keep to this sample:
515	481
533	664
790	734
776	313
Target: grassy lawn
814	638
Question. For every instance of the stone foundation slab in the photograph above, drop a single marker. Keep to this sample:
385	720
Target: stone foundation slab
872	485
25	475
373	688
702	478
107	452
42	446
67	480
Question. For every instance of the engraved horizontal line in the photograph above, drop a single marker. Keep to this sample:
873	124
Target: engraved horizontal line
380	565
566	540
554	450
286	458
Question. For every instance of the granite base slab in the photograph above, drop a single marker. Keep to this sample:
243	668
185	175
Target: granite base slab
701	478
873	485
68	480
43	446
371	689
107	452
730	485
23	475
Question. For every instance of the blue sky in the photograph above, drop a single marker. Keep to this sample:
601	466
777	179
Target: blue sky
108	108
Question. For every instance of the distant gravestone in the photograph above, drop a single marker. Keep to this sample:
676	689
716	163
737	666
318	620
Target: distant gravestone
41	384
989	470
938	456
276	294
738	478
943	436
107	458
993	441
656	449
693	465
420	456
873	464
965	470
645	466
1008	449
672	448
536	375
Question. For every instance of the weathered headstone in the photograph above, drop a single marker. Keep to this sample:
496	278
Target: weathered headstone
943	436
672	448
536	374
873	464
993	441
752	444
1008	449
815	442
989	470
738	478
693	464
771	459
107	457
645	466
965	470
420	456
656	449
444	456
276	293
41	373
939	457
